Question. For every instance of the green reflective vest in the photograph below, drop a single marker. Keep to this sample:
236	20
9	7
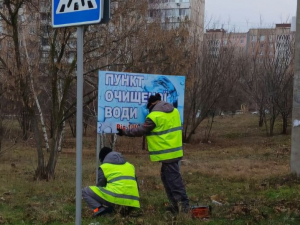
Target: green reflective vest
165	140
121	188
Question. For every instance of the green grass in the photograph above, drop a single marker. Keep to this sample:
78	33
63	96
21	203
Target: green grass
242	168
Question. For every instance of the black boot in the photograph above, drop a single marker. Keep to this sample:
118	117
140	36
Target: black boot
173	208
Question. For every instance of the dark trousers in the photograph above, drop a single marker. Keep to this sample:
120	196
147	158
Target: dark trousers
172	180
93	200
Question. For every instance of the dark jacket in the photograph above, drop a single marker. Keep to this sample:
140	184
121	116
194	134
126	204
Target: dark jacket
113	158
149	125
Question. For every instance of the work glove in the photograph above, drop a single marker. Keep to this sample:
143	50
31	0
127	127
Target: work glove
120	132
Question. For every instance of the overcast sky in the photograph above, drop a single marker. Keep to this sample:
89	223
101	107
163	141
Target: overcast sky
241	15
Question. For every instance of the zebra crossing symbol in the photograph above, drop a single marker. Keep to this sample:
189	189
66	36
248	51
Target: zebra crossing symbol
67	6
76	12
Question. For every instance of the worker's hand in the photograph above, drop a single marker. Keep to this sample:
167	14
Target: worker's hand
120	132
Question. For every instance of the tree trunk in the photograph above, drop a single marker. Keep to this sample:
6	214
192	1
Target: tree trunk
44	130
51	124
261	117
1	134
25	124
50	169
72	124
40	170
114	140
61	137
271	127
261	120
272	124
284	123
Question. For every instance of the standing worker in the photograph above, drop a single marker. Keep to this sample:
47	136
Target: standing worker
163	130
116	185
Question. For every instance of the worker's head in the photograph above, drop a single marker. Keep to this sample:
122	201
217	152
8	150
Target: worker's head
103	153
153	99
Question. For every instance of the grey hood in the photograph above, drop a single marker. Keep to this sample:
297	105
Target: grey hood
114	158
163	107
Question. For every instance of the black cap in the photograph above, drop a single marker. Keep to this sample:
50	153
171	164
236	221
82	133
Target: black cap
153	98
103	153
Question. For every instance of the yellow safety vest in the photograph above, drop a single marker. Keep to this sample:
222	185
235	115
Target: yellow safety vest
165	140
121	188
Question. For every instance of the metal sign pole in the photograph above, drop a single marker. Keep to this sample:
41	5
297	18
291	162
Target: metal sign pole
79	123
97	155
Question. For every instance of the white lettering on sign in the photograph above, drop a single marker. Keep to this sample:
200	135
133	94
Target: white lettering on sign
124	113
131	96
124	80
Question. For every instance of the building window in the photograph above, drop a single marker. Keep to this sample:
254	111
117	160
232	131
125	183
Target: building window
22	18
242	41
44	16
270	38
45	54
31	17
184	12
44	29
261	53
71	56
262	45
73	44
31	30
155	13
254	38
172	12
262	38
44	41
31	55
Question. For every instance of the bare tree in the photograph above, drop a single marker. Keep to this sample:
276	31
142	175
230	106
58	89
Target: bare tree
269	80
211	77
12	61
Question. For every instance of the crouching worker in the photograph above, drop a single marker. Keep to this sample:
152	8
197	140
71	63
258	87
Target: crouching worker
116	185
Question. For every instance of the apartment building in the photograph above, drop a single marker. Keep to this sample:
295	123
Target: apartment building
258	43
174	13
216	39
270	43
34	27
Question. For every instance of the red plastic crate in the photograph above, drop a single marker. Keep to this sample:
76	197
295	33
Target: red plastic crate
201	211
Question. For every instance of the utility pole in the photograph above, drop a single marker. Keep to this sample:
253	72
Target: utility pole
295	152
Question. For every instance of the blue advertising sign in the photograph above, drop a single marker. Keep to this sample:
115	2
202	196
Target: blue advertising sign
122	97
73	13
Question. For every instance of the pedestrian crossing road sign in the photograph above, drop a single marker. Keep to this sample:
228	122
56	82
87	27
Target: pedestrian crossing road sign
67	13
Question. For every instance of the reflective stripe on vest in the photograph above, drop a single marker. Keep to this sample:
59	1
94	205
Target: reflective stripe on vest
121	188
165	140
